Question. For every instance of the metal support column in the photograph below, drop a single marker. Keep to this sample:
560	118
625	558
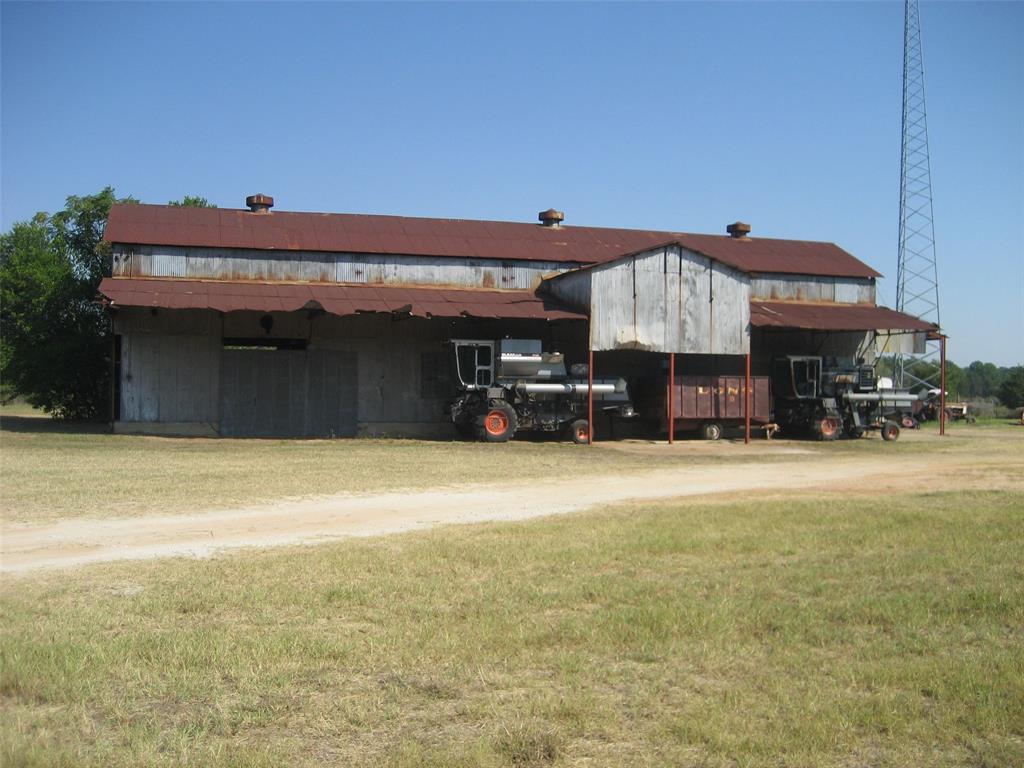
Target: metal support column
590	397
746	403
942	384
670	391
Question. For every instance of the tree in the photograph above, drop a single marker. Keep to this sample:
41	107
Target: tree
54	336
1011	391
983	379
191	201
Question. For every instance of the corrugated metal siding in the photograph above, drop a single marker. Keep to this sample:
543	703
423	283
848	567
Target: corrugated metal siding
572	289
769	343
846	290
316	267
670	300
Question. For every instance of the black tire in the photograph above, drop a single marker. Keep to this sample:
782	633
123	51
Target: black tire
579	431
827	428
497	424
890	431
711	430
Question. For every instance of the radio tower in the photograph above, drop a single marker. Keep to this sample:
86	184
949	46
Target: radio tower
917	289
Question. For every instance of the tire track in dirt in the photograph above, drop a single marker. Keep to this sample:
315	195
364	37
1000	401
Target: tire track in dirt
72	543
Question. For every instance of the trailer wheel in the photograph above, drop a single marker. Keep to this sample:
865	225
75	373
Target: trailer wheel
909	422
579	430
711	430
498	424
890	430
827	428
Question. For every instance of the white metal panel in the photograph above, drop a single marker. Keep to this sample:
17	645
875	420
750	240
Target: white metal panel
846	290
306	266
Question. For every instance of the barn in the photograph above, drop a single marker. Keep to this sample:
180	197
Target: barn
255	322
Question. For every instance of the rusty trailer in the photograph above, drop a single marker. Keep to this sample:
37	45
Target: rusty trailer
709	404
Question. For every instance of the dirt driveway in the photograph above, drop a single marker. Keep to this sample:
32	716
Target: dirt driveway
73	543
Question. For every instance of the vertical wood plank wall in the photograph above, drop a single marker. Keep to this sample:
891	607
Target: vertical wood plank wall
363	373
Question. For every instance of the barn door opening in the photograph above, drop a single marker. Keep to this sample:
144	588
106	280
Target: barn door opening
277	391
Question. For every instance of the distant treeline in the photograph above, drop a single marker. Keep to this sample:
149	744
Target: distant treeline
977	381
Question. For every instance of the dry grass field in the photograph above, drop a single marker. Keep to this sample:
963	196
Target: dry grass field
851	626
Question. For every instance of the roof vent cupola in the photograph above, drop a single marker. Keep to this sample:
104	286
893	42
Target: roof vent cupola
551	218
259	203
739	230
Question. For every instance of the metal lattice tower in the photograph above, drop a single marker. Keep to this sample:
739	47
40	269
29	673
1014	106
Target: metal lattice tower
917	289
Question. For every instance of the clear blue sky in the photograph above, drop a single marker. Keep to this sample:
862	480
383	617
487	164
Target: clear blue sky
667	116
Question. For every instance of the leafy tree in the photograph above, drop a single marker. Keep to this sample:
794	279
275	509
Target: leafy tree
983	379
1011	390
54	337
191	201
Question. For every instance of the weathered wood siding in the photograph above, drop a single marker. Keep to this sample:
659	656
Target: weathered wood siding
387	377
309	393
304	266
665	300
844	290
169	378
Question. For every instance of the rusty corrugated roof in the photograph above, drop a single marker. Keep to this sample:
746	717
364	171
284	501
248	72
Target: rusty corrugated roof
832	317
341	300
459	238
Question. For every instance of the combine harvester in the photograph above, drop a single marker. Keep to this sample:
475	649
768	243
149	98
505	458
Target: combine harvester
827	397
511	386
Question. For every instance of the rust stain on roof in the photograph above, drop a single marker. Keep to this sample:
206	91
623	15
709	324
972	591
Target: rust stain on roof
832	317
458	238
338	300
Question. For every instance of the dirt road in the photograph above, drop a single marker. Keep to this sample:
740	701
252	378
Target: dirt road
73	543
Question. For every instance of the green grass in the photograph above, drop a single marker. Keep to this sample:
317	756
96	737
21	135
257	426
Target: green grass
827	632
50	470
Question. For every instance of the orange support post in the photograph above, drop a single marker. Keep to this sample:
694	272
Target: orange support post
671	387
746	403
942	384
590	397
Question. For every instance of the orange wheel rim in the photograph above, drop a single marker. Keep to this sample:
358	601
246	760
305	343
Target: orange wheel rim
582	433
496	423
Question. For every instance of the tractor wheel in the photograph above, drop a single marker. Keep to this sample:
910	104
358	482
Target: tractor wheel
711	430
497	424
827	428
890	430
579	431
908	422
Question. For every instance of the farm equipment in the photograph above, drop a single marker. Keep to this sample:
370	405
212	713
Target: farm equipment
828	400
710	404
511	386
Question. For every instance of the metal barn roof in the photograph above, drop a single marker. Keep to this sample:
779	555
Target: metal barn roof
832	317
460	238
339	300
